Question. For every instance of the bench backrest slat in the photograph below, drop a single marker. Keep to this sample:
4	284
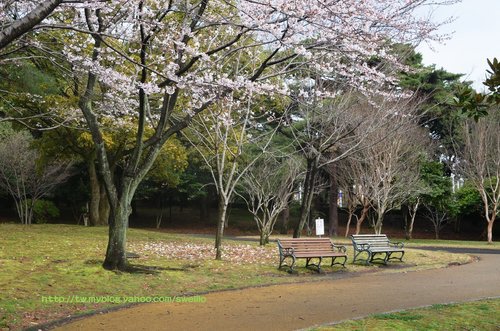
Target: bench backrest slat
375	240
306	244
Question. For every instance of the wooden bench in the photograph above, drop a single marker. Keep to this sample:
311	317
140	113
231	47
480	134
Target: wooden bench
310	248
375	245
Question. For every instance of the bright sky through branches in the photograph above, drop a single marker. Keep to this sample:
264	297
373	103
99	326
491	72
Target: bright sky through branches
476	38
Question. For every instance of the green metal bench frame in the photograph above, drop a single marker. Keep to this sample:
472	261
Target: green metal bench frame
310	248
374	246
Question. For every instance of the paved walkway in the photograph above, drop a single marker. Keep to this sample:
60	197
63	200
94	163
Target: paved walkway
297	306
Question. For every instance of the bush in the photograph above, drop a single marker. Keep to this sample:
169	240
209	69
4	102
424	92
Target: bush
44	211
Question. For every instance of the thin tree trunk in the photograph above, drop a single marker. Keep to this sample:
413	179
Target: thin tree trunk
409	230
308	196
226	219
364	214
405	213
220	227
285	218
413	215
378	224
95	194
349	219
490	230
104	207
333	214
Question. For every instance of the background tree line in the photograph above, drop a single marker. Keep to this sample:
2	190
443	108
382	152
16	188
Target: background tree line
204	100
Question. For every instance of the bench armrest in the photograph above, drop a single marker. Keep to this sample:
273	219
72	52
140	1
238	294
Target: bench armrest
340	248
397	244
362	247
287	251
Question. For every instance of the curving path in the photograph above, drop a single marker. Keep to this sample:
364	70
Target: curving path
296	306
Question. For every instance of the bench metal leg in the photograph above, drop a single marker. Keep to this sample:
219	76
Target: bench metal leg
339	263
383	260
283	264
400	258
318	266
282	261
293	264
367	260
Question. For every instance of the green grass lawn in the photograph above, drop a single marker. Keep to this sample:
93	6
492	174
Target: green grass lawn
65	260
480	315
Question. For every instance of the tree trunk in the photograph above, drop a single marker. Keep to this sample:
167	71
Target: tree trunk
413	215
378	224
490	230
333	214
26	23
308	196
409	232
116	258
95	194
104	207
405	211
285	218
264	237
364	214
348	224
226	219
220	227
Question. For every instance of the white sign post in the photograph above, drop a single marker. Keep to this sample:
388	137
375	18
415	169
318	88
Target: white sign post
320	227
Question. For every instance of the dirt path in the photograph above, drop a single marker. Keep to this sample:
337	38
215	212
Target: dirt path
291	307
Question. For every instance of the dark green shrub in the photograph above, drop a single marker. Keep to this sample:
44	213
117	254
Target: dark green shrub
44	211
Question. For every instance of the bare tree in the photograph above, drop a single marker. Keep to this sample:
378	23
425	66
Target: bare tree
393	165
348	180
352	204
479	162
355	180
326	131
22	178
413	205
267	188
438	216
220	136
382	172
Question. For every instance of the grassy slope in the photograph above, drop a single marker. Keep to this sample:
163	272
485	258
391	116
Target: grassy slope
64	260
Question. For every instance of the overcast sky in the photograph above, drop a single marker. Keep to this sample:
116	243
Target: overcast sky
476	37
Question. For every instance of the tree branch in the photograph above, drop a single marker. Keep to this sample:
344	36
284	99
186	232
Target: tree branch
25	24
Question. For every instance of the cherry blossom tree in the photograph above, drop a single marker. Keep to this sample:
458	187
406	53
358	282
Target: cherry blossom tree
222	136
157	64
